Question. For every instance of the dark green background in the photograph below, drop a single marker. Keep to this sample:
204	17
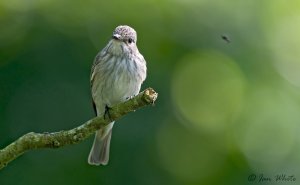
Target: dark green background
225	110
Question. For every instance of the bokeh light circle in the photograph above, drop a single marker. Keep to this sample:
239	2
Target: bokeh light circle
266	133
285	45
207	90
185	155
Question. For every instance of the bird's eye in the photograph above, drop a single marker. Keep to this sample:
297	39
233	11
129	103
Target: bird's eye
130	40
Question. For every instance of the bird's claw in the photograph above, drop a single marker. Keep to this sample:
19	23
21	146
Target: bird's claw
107	113
130	97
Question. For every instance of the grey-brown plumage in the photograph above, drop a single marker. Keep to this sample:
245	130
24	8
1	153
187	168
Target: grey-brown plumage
117	74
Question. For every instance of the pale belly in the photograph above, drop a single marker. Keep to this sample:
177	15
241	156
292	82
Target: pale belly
121	90
113	90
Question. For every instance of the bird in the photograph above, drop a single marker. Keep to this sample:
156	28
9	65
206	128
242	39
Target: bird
117	74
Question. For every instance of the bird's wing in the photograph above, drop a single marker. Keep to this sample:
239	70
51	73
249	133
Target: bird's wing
97	60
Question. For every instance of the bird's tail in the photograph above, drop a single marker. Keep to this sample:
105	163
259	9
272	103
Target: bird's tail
99	153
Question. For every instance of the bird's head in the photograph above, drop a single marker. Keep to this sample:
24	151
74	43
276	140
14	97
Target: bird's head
123	41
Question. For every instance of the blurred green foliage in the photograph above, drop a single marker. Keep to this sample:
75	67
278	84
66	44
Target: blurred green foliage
225	110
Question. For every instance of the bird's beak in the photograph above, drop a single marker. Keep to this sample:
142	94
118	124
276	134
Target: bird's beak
116	36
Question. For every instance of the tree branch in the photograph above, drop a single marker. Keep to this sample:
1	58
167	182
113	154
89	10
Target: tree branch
59	139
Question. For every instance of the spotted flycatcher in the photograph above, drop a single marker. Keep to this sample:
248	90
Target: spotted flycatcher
117	74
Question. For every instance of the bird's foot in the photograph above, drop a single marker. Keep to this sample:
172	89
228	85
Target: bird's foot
130	97
107	113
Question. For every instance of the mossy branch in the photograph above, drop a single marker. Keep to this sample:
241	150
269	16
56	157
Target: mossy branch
59	139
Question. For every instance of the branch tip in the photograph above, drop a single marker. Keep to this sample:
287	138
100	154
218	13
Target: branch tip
150	95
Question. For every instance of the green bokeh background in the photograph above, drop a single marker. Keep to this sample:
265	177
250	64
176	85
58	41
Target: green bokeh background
225	110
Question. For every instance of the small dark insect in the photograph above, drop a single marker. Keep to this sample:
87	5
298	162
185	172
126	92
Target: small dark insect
226	38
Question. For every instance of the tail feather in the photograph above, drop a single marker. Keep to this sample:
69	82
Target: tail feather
99	153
